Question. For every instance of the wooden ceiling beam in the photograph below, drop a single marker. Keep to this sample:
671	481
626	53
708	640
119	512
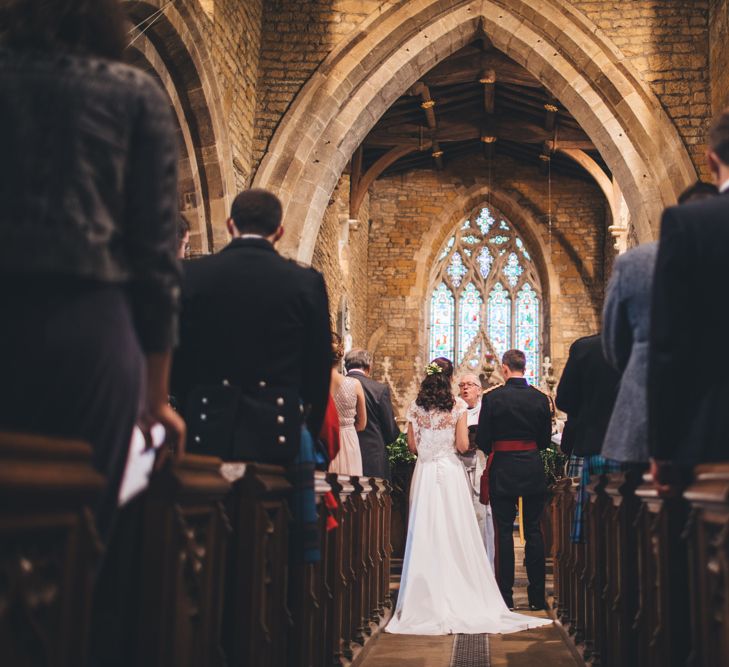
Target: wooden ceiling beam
427	103
512	129
357	194
488	80
437	154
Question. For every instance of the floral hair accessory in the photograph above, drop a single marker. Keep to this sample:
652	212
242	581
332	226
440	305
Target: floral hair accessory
432	369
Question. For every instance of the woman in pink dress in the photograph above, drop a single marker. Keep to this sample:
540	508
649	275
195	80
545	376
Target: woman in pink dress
349	398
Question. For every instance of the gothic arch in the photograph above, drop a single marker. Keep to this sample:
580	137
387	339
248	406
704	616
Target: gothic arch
173	50
525	224
366	73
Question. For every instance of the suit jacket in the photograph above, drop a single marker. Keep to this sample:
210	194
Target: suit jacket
515	411
625	339
586	392
381	429
253	318
688	420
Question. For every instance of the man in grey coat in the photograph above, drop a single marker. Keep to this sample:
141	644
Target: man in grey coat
381	429
625	337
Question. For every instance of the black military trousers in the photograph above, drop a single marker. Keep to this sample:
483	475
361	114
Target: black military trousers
503	509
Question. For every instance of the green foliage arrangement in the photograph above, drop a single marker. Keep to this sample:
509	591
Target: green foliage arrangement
398	452
553	462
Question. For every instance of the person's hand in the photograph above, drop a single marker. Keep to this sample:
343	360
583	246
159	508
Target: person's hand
174	425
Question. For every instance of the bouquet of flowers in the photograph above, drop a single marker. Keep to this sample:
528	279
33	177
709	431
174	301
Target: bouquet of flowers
553	462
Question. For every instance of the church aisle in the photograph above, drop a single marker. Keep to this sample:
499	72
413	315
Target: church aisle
541	646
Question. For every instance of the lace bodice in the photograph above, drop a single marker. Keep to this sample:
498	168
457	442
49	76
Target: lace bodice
435	431
345	398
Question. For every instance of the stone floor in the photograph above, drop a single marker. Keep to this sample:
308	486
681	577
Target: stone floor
542	647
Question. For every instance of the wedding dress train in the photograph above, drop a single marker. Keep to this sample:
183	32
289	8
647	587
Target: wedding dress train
447	583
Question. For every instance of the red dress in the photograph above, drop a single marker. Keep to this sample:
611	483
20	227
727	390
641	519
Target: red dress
329	433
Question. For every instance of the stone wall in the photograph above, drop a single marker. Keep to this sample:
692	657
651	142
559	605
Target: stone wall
341	255
297	36
668	44
412	216
234	34
719	53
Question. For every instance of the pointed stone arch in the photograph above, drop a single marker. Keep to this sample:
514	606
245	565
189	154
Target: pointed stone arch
365	74
172	49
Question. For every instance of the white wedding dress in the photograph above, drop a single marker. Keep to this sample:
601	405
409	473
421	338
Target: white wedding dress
447	583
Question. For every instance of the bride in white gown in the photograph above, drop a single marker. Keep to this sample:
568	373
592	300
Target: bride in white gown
447	584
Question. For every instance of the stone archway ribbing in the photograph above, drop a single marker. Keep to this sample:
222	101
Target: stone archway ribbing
366	73
174	47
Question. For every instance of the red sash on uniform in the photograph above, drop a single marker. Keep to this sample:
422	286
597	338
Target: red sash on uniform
501	446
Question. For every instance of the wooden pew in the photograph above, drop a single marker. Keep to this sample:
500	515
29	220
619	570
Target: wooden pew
184	534
257	619
707	533
663	612
621	603
596	646
49	549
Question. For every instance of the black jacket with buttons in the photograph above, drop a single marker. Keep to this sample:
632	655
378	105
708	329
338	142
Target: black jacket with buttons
515	411
250	316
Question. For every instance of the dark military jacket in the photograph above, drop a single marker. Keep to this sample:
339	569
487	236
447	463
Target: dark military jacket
515	411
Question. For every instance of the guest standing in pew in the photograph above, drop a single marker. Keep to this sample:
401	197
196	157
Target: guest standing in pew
89	278
586	392
254	358
349	399
625	340
381	429
688	320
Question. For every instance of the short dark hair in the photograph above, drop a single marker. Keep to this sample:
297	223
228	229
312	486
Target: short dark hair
515	360
85	27
698	190
256	211
357	359
719	136
183	227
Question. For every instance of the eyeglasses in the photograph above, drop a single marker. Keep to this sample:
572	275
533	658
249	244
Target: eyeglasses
463	385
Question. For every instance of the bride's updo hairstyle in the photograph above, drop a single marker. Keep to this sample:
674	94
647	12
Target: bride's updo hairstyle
435	389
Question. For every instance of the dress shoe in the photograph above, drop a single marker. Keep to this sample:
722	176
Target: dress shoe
537	606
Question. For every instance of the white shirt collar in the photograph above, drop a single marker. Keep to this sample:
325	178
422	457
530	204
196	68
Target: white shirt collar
252	236
724	186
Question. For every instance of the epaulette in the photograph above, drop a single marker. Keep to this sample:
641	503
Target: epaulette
490	389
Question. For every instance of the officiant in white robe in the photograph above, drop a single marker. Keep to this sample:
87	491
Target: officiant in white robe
474	460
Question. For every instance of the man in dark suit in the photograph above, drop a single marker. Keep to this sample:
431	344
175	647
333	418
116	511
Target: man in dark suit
514	424
586	392
381	429
255	342
689	425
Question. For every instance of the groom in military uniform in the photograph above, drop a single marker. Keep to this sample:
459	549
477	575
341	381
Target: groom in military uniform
514	424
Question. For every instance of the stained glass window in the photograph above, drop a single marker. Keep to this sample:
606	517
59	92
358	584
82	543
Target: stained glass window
485	220
486	296
448	247
527	329
469	318
513	269
456	270
484	262
442	312
499	320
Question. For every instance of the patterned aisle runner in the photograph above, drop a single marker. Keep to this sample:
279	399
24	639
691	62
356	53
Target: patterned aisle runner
471	651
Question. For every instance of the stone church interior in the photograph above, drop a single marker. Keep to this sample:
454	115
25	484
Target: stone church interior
459	180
